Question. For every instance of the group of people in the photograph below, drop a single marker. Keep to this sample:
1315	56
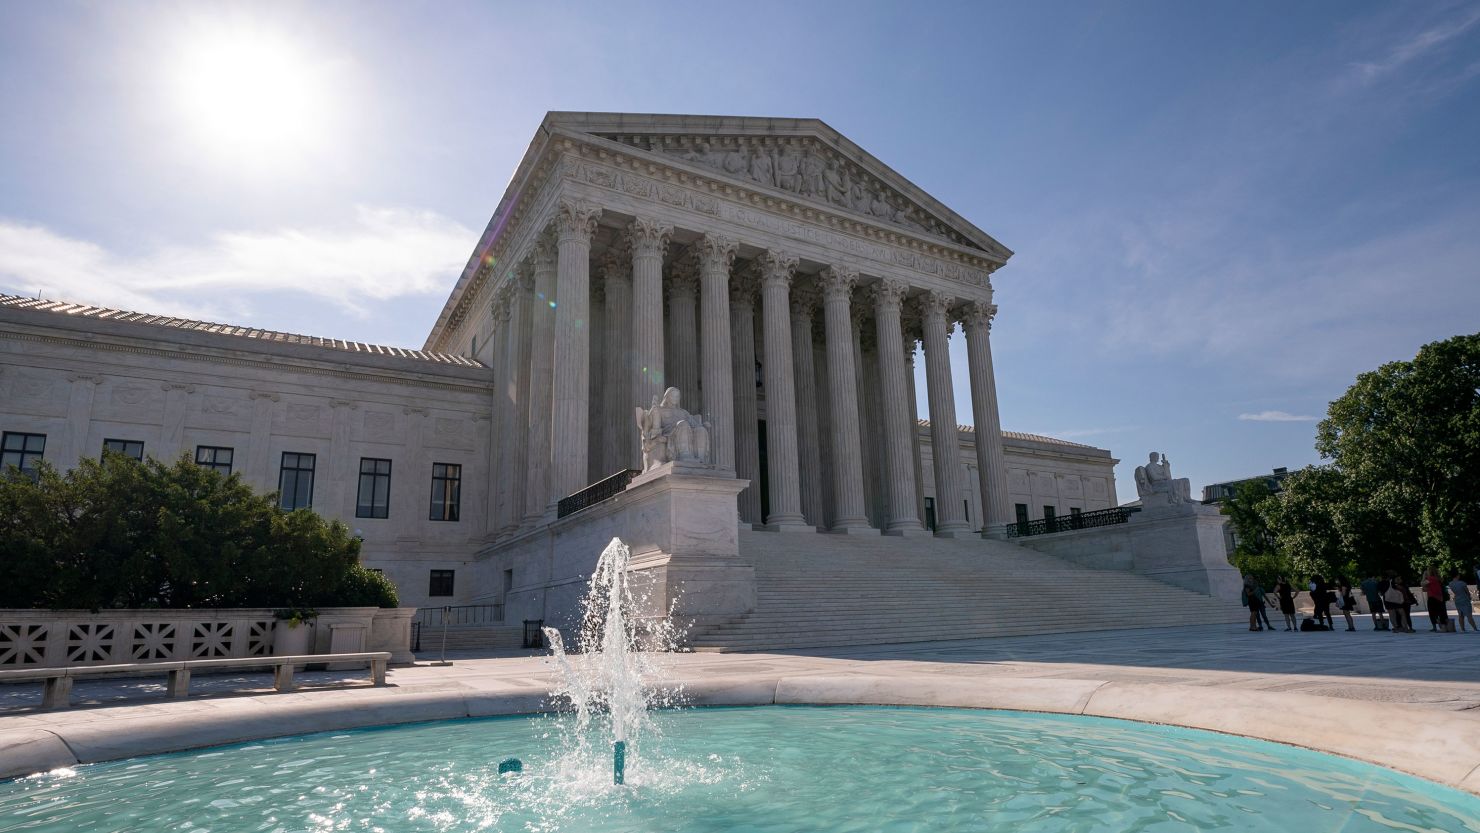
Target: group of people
1388	597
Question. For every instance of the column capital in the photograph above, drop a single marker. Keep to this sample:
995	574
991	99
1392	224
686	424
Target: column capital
888	294
649	237
743	286
804	301
777	267
503	299
683	283
932	303
837	281
977	314
523	278
544	253
616	262
716	251
577	219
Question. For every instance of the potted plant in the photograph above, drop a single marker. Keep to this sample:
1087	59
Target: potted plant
294	631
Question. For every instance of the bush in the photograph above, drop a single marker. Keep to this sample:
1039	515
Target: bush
120	533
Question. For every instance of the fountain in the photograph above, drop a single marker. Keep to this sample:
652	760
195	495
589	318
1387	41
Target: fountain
607	681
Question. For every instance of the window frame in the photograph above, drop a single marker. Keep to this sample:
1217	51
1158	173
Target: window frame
434	577
124	449
25	457
379	506
214	464
450	479
299	471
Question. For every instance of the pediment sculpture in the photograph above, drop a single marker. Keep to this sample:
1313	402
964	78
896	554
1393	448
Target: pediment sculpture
1156	486
670	434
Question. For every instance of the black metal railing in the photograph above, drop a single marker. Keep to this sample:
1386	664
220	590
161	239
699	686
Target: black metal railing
534	634
1066	523
454	615
595	493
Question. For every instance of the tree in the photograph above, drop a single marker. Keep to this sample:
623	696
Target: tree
125	533
1256	551
1407	439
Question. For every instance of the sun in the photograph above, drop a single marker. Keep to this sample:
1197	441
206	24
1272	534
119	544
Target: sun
252	96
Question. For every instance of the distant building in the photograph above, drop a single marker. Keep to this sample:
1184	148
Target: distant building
1217	493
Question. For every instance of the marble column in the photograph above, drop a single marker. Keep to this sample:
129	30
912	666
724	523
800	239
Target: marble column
782	464
521	334
991	467
575	222
742	371
618	451
860	385
916	457
683	293
847	454
945	441
825	438
899	466
502	410
809	459
716	374
541	373
596	433
649	243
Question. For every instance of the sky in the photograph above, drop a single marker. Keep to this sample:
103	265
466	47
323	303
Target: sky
1221	212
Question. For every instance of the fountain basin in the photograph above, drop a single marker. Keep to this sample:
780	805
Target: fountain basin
776	768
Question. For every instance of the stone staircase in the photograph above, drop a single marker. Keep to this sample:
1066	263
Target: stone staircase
471	638
816	591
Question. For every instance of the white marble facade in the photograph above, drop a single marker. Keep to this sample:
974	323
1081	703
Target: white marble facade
777	274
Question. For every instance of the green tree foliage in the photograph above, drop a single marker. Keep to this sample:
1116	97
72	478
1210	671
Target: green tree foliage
1406	439
1256	551
124	533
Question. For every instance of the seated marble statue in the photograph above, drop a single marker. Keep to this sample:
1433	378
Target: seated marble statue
671	434
1155	485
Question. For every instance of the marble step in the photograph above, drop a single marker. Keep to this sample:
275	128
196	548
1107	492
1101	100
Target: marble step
923	623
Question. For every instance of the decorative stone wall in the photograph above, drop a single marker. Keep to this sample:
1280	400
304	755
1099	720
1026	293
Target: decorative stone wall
55	639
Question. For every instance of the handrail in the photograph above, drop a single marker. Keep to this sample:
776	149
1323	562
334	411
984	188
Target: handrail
1067	523
459	615
601	490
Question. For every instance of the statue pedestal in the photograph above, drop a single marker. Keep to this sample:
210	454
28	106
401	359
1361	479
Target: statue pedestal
1182	544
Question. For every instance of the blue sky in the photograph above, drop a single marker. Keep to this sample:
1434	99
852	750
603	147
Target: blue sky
1221	211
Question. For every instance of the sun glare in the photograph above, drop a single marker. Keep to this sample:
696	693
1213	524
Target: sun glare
253	97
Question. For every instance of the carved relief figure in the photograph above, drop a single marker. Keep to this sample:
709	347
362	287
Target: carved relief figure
1155	485
736	162
762	169
812	169
788	169
671	434
836	177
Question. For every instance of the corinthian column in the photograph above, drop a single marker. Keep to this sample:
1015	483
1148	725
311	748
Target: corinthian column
618	451
899	467
847	456
541	370
715	256
503	409
742	370
575	222
990	466
781	408
809	456
683	294
950	512
649	242
521	322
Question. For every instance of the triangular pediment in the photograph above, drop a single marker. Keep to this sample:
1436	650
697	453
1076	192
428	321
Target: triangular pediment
803	159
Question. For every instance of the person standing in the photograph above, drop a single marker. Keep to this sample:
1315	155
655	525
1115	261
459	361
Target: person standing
1252	602
1434	593
1396	600
1320	595
1463	609
1345	602
1286	595
1372	591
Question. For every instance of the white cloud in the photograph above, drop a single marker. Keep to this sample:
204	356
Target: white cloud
1416	46
381	254
1276	416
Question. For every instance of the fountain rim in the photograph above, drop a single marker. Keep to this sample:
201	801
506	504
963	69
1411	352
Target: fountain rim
1441	747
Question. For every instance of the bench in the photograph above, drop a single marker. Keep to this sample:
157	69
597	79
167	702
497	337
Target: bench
56	692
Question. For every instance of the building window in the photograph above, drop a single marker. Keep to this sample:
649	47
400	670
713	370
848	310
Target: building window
930	513
1048	513
214	457
295	481
1022	518
375	488
446	491
1074	510
23	451
128	448
441	583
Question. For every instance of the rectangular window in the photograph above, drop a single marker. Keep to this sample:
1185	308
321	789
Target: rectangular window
1048	513
23	451
1022	518
441	583
930	513
375	488
1074	510
446	491
128	448
295	481
214	457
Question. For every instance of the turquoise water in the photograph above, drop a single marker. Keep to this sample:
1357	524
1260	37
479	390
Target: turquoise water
771	769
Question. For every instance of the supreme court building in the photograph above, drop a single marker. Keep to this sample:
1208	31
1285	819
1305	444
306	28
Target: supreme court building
785	281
